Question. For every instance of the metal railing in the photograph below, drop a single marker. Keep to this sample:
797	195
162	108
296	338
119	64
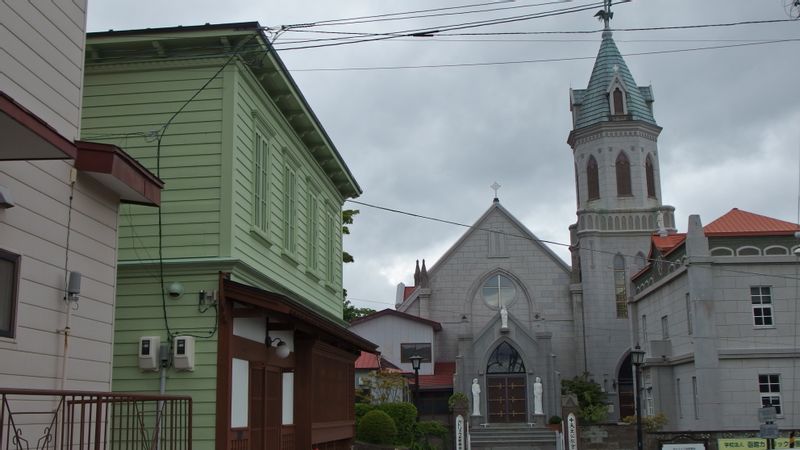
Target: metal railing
76	420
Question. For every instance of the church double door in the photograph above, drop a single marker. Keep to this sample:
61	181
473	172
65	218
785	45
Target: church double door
506	398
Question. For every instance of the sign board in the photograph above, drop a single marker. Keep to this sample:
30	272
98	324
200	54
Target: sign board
749	443
686	446
767	414
572	432
769	431
459	433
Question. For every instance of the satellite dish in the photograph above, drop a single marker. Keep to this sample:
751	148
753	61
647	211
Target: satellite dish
792	8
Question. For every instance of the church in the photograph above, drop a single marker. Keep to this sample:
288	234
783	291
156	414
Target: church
501	318
510	311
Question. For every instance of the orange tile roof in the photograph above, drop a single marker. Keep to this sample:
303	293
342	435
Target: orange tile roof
737	222
407	291
666	244
368	361
442	377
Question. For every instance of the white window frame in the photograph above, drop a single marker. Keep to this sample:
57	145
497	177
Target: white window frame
761	303
769	391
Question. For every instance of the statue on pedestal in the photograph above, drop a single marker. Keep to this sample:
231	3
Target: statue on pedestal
537	396
503	317
476	397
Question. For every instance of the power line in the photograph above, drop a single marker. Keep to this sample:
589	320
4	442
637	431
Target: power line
543	60
462	26
561	244
440	33
408	17
473	5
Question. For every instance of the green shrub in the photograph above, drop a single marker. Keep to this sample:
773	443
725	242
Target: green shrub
592	406
376	427
426	430
458	400
361	409
650	423
404	415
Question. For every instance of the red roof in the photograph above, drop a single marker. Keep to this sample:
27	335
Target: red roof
666	244
742	223
368	361
391	312
442	377
407	291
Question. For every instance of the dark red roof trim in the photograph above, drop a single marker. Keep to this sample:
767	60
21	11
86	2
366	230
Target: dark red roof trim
36	125
392	312
112	160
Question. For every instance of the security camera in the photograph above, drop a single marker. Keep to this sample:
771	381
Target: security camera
175	290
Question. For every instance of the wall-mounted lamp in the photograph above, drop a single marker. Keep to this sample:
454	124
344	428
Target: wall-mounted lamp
73	287
281	349
175	290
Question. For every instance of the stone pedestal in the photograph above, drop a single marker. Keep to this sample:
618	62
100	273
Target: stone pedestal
539	420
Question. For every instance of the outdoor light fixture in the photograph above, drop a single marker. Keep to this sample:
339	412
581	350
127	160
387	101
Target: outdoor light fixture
415	362
637	359
281	349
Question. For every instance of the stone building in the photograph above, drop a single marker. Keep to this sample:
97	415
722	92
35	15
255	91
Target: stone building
716	313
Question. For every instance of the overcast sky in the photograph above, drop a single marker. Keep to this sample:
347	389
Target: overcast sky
432	140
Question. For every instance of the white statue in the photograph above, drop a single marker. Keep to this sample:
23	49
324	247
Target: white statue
476	397
503	317
537	396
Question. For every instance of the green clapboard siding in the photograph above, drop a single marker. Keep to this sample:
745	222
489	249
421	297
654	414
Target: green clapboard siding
206	160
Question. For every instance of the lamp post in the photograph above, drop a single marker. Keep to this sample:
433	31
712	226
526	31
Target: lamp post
637	359
415	362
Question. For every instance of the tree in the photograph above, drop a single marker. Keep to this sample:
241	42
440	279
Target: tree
350	312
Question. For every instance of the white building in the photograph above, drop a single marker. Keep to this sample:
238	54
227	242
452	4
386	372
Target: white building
59	200
716	312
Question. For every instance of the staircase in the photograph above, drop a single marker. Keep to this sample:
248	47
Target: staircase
512	437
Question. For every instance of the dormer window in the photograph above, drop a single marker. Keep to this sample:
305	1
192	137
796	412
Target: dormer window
619	102
617	96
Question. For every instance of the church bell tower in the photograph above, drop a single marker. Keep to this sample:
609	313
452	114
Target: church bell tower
614	141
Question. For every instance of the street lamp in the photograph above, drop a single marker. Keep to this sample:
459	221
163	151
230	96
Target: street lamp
415	362
637	359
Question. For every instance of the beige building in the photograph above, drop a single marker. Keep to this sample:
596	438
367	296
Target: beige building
59	203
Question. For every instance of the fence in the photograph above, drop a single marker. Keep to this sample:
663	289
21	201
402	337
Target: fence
76	420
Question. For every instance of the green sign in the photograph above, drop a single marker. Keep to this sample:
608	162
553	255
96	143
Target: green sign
748	443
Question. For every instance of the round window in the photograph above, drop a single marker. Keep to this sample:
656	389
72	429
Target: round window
499	291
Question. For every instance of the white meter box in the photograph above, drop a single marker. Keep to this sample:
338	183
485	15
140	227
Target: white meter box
183	353
148	353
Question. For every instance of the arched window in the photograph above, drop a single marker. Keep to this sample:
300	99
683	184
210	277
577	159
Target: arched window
505	359
619	103
620	290
651	178
593	178
499	291
623	166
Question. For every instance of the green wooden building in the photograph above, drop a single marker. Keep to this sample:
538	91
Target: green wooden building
240	270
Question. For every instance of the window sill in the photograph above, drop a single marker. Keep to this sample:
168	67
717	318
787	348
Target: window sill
261	235
289	256
763	327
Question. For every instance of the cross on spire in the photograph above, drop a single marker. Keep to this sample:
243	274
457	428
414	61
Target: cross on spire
495	186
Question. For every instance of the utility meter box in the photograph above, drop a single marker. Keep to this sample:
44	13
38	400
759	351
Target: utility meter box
183	353
149	347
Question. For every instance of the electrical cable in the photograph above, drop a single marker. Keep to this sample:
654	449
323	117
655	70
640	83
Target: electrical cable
435	30
543	60
545	241
161	134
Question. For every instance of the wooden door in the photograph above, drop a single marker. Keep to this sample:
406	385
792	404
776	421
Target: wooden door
507	398
265	407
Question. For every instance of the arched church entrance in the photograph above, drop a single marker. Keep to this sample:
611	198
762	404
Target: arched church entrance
506	385
627	405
